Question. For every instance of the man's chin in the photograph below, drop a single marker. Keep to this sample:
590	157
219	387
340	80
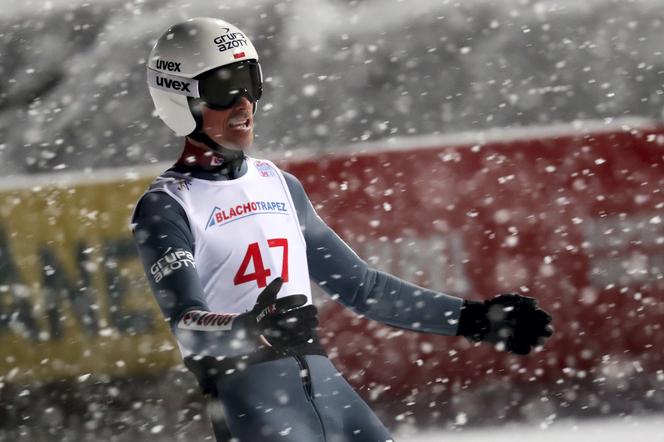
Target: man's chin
238	147
243	145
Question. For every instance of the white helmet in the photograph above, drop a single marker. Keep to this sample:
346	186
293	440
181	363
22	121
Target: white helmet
182	67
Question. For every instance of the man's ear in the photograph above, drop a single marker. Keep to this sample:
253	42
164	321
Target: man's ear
196	108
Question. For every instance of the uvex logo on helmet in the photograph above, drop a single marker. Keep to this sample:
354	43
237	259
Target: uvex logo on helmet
173	83
168	65
167	83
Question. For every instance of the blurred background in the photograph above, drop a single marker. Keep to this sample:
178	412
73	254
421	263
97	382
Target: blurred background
472	147
338	72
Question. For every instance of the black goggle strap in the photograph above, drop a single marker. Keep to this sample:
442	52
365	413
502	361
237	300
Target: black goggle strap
260	75
173	84
188	86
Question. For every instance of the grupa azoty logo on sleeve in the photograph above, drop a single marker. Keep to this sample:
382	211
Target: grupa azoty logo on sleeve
172	261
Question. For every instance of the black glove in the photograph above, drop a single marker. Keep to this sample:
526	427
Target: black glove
283	322
510	319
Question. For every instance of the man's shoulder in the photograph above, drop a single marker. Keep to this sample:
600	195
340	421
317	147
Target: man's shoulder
295	187
267	167
170	181
166	186
160	196
264	166
157	205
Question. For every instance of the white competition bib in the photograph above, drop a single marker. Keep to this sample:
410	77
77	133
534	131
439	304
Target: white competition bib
246	233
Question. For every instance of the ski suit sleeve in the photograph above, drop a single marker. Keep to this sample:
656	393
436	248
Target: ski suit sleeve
340	272
163	237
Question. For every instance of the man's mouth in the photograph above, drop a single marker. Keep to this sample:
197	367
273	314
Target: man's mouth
239	123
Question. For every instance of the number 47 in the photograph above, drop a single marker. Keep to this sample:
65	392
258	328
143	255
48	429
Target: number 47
260	273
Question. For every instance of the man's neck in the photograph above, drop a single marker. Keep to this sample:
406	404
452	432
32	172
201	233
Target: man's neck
198	159
196	154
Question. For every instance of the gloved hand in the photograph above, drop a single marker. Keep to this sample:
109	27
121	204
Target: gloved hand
283	322
509	319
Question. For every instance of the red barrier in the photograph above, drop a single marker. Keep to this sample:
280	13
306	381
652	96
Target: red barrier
574	219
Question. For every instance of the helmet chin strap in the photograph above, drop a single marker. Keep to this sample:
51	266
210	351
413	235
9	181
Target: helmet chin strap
229	161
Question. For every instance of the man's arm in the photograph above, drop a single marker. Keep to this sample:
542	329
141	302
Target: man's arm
163	237
379	296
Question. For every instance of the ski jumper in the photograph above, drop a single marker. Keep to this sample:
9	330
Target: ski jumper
212	244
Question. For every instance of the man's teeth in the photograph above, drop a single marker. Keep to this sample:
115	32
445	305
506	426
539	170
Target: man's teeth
239	123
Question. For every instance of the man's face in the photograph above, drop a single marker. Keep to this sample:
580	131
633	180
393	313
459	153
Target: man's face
232	127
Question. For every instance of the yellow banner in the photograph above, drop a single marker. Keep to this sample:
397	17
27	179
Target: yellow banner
73	297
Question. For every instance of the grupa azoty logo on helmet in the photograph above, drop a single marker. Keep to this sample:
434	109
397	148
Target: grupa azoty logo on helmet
230	40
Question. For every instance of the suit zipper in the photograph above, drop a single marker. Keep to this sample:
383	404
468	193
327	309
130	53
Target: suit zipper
308	387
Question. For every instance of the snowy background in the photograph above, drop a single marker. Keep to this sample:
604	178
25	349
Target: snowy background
73	92
339	73
600	430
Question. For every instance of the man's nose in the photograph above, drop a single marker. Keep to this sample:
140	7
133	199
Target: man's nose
243	101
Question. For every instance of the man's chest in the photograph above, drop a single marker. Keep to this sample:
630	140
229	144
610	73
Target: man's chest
245	236
227	220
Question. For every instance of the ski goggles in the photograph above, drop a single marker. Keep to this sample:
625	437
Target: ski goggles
219	88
